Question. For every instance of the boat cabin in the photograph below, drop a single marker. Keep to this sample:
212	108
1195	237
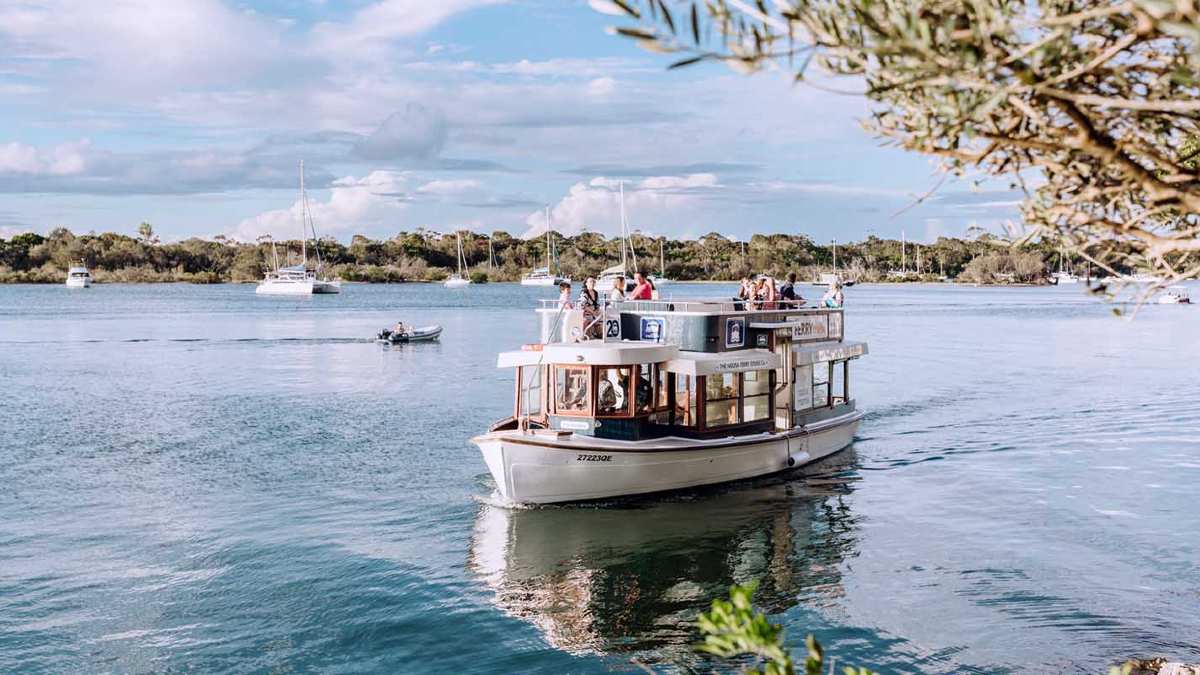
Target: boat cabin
688	369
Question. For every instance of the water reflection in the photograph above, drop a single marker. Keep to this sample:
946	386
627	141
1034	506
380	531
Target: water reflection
632	577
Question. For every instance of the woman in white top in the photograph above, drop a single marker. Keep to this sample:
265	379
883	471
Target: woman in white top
617	294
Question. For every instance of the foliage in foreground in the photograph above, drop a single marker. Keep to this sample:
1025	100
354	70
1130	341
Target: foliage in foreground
1091	108
734	630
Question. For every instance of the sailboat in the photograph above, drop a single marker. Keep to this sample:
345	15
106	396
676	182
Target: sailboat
297	279
829	278
542	275
660	278
1064	274
458	280
622	270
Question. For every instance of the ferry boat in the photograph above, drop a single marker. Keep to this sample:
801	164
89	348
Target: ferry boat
675	395
79	277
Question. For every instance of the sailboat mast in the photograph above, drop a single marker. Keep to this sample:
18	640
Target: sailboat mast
903	259
662	261
623	235
303	227
835	256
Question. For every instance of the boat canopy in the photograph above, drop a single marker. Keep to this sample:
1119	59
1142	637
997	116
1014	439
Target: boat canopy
706	363
590	353
819	352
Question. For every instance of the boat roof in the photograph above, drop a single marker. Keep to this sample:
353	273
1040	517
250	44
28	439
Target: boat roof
815	352
590	353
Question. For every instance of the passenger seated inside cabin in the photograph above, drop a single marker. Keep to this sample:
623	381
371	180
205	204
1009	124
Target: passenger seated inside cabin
645	391
612	392
572	386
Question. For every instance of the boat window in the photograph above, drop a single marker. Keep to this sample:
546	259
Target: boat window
613	390
837	383
663	391
803	388
531	391
685	400
571	387
820	386
721	400
645	389
756	395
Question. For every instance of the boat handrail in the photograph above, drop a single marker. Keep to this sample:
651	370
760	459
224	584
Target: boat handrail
705	306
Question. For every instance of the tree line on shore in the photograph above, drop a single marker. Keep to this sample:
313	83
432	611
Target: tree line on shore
424	255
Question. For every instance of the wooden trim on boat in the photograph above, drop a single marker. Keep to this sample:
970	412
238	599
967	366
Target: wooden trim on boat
573	446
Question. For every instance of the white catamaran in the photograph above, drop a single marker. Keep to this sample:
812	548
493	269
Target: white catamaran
542	276
460	279
298	279
696	393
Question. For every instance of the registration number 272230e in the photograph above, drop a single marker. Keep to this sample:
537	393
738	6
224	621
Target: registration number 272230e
593	458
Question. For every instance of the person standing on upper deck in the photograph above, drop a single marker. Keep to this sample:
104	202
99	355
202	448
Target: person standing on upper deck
642	290
589	302
564	296
787	293
833	298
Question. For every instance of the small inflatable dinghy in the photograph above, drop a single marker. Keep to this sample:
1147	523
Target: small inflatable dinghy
422	334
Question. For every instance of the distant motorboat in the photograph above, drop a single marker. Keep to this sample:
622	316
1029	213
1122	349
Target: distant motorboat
1175	295
79	277
298	279
421	334
459	280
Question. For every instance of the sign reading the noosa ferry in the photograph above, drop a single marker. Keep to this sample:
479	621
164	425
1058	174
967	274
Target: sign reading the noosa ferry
810	327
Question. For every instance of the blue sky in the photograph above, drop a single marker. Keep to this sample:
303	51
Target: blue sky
194	114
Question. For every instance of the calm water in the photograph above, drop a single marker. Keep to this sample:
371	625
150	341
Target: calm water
195	478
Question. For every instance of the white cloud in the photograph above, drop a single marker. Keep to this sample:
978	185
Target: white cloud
139	44
601	87
354	204
64	159
417	131
661	203
375	27
459	187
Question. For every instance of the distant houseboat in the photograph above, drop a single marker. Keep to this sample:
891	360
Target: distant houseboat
676	395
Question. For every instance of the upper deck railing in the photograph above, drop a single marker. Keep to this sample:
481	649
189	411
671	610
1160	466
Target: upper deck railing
698	306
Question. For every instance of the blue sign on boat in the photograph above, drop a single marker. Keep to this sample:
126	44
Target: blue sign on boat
652	328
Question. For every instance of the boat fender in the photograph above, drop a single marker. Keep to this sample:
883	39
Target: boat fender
791	461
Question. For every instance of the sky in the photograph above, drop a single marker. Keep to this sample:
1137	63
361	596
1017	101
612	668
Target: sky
194	115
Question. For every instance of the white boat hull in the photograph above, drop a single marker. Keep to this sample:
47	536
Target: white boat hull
327	286
538	469
542	281
284	288
79	283
457	282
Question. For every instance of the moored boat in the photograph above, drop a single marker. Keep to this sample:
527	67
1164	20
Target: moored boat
698	393
1175	295
298	279
78	276
458	280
